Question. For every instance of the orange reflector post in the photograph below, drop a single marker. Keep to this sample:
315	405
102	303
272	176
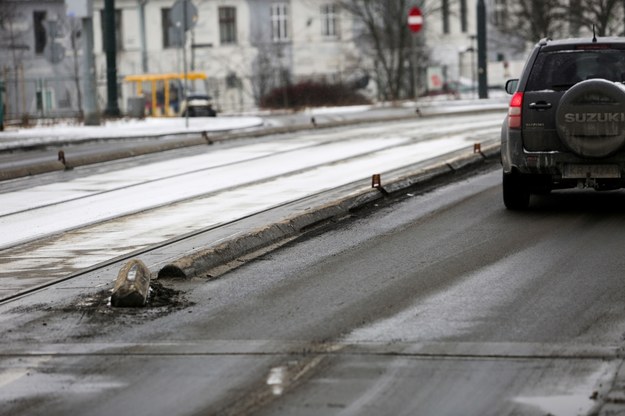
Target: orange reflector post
376	181
477	148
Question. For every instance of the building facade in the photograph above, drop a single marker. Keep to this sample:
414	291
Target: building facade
245	47
37	65
452	37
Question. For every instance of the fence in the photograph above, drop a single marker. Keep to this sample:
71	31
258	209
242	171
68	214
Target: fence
28	98
46	98
59	97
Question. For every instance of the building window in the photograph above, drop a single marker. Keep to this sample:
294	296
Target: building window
41	36
170	34
329	21
279	22
500	13
445	11
227	25
119	44
463	16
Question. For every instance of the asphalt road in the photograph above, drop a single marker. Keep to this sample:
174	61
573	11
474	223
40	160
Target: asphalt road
441	304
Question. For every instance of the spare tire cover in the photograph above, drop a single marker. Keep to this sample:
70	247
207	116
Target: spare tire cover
591	118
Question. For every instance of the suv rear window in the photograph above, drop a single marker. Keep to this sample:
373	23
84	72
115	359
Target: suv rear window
559	70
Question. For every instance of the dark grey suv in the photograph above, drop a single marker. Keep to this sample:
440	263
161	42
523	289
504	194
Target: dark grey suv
566	121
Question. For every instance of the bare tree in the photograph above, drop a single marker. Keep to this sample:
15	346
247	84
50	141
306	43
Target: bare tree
268	69
533	20
536	19
602	15
388	39
75	32
13	42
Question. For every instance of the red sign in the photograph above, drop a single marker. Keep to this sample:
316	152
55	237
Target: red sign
415	19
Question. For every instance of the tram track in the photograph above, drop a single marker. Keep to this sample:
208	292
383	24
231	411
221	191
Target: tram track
314	218
41	263
139	252
421	138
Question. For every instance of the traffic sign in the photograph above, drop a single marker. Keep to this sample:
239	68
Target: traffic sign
184	14
54	52
415	20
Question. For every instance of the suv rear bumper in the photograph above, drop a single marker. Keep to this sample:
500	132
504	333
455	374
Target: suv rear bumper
560	166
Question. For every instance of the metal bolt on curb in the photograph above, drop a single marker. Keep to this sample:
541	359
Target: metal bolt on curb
132	285
207	138
61	158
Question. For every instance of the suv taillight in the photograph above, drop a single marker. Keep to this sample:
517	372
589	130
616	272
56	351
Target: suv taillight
514	111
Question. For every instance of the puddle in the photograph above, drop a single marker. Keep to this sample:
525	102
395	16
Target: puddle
560	405
572	399
276	380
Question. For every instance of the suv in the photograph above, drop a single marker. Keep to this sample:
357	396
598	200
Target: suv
199	105
566	121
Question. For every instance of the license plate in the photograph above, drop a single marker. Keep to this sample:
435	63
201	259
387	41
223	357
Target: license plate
591	171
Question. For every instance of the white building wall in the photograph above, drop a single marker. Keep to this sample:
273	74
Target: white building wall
316	55
452	51
131	34
217	61
307	54
456	51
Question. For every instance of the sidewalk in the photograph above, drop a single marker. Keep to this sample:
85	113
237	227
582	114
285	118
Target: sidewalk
63	133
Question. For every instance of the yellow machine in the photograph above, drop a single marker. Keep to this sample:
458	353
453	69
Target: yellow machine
164	99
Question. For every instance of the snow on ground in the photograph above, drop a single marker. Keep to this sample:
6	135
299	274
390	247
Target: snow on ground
123	128
127	128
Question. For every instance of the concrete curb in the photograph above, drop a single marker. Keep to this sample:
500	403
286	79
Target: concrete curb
30	170
198	263
72	162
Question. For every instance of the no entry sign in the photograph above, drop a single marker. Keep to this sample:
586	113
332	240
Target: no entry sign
415	20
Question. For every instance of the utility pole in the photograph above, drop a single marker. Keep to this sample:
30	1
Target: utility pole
1	105
184	60
184	16
92	114
112	108
144	46
482	62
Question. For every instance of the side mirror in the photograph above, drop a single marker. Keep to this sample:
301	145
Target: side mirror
511	86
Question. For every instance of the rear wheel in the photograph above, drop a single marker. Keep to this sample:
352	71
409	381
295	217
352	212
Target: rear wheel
516	192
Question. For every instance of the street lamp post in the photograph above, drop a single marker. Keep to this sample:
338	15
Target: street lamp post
92	114
472	49
482	63
112	107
